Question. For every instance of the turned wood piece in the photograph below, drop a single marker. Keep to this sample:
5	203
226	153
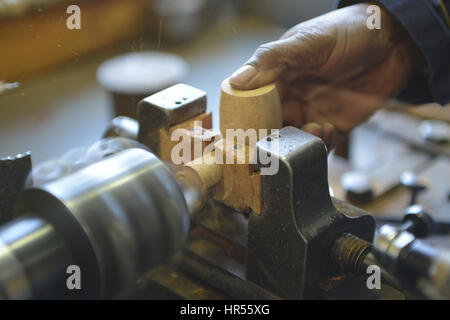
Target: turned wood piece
236	183
165	136
241	186
208	169
250	109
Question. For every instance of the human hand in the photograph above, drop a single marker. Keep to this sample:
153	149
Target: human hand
333	72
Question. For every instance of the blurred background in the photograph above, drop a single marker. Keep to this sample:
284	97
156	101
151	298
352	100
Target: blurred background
62	87
60	104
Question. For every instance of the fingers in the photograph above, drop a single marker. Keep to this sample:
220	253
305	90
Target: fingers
293	115
305	48
326	132
299	54
265	66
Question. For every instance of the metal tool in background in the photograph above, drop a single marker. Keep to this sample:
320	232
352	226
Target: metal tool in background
429	136
394	146
435	131
362	186
123	127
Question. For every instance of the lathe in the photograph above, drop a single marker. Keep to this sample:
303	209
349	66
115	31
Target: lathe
216	223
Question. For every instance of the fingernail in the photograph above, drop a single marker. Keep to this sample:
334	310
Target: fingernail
243	75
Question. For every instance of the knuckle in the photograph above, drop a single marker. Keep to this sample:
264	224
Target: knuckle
262	53
269	56
314	45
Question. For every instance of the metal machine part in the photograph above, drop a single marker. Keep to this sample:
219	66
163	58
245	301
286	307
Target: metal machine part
123	127
33	260
285	250
413	266
191	186
79	158
126	214
415	183
354	255
168	107
112	219
417	221
13	174
422	268
284	253
435	131
362	186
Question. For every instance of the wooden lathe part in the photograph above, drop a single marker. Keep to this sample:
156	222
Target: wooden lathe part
236	184
208	169
250	109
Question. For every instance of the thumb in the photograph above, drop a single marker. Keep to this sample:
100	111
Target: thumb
266	65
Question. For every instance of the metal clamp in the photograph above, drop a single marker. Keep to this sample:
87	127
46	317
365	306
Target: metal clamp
288	250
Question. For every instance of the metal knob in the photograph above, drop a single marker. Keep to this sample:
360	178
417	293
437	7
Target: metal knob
417	221
414	183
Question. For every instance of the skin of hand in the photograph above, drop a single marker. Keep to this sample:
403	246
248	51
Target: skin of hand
333	72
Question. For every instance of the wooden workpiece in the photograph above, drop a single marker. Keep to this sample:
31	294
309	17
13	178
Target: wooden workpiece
208	169
241	186
250	109
165	136
257	109
230	168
